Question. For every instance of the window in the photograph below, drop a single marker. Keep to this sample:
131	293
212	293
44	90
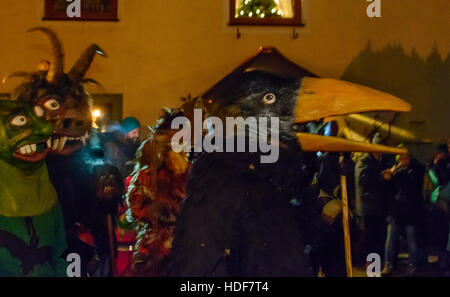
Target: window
91	10
265	12
109	107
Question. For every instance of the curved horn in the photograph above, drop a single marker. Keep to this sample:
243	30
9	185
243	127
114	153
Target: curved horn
24	74
81	66
92	82
56	67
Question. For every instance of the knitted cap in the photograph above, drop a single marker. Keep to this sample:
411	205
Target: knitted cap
129	124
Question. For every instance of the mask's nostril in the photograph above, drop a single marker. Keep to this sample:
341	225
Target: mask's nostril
66	123
79	123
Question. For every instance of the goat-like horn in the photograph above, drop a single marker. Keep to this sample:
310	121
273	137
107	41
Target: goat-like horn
92	82
56	67
81	66
24	74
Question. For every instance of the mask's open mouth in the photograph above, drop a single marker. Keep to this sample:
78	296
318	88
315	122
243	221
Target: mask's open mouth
322	99
65	144
107	188
32	152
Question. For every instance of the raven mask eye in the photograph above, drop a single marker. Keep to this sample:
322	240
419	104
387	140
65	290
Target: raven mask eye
269	98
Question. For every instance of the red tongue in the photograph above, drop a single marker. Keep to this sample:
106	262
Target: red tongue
34	157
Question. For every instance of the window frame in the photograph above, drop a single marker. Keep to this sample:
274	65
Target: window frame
296	21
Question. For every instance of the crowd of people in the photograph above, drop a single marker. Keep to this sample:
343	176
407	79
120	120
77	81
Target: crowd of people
397	204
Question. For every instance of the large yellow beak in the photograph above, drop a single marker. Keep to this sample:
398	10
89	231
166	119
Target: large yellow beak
313	143
321	98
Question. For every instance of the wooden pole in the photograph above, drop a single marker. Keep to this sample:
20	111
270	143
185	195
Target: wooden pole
345	225
112	254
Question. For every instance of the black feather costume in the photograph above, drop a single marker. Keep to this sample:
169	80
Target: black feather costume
242	217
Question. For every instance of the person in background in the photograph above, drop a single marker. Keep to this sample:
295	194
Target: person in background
331	253
122	144
439	171
437	192
405	211
371	191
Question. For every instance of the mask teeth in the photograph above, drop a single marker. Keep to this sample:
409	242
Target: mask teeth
28	149
85	137
23	151
58	143
55	144
62	143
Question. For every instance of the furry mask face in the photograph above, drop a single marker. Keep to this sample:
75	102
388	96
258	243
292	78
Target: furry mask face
68	108
61	95
24	133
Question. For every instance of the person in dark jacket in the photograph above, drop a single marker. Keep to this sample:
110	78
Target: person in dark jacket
436	189
331	252
122	145
405	210
371	191
88	189
332	248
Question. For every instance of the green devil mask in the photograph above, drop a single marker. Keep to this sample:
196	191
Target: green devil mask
25	187
23	134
